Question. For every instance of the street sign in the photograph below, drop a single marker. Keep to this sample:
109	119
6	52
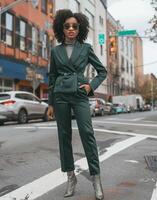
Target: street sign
101	39
127	32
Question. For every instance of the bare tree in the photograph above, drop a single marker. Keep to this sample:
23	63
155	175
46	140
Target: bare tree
152	32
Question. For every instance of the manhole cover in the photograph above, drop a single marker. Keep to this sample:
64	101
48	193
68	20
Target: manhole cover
151	161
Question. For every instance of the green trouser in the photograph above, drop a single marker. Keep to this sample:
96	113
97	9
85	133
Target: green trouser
80	105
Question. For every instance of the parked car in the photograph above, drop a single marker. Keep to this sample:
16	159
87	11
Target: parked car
5	114
21	106
97	106
119	108
108	108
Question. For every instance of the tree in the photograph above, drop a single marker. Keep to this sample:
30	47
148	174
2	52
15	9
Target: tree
152	32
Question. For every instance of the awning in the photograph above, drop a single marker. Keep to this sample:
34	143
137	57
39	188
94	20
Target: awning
15	70
11	69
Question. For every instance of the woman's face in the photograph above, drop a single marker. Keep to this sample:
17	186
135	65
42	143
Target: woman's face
71	28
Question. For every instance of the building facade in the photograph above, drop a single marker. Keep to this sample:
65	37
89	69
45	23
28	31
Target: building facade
138	52
113	79
126	63
25	42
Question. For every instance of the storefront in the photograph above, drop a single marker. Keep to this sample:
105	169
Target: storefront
14	76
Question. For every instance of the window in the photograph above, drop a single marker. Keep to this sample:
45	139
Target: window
122	63
90	18
6	85
0	82
3	29
122	43
122	83
9	29
44	46
101	21
29	37
74	5
44	6
131	69
91	37
92	1
127	66
34	40
20	34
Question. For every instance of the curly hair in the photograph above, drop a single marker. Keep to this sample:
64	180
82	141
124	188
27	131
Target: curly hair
60	18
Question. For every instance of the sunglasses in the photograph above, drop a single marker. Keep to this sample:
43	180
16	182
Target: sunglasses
67	26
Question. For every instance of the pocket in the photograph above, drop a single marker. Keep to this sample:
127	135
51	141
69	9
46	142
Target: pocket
66	84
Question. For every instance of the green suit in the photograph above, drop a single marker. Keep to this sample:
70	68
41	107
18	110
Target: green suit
77	100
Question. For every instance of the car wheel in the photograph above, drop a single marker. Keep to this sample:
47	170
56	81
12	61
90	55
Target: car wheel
1	123
22	117
45	118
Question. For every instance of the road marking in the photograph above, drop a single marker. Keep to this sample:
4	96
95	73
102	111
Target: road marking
132	161
95	129
154	194
137	119
124	123
50	181
122	119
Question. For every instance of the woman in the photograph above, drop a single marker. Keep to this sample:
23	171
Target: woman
69	89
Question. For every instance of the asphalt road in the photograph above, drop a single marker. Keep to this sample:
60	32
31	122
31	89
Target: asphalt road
30	165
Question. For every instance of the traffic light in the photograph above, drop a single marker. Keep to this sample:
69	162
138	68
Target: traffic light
50	9
112	44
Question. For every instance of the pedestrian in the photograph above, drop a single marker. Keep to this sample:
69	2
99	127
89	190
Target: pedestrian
69	90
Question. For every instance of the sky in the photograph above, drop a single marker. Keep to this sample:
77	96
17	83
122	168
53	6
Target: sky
134	15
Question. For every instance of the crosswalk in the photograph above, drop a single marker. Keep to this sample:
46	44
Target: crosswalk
44	184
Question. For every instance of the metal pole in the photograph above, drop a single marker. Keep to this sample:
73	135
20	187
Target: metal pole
152	94
0	28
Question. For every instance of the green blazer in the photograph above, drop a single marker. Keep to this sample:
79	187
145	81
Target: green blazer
81	56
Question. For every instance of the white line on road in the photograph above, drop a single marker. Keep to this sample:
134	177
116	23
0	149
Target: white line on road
50	181
137	119
154	195
124	123
122	119
95	129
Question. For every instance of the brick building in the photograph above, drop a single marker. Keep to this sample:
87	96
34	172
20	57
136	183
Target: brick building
25	41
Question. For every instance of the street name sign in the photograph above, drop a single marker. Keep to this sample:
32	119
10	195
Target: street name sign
101	39
127	32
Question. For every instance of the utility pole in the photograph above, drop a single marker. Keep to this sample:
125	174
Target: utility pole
152	95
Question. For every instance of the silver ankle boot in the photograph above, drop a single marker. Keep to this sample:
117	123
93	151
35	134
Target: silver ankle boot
97	187
70	184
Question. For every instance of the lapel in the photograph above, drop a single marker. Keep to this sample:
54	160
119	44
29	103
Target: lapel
63	57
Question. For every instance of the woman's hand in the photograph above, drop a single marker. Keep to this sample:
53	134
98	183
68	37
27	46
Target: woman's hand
87	87
50	112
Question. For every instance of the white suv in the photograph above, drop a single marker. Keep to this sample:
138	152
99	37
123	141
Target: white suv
23	106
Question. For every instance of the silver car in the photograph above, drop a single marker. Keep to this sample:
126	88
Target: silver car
21	106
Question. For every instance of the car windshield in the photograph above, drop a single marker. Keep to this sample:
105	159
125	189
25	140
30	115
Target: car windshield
116	105
92	102
4	96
